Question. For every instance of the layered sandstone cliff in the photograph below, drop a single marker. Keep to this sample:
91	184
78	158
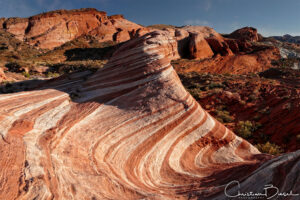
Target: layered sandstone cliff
52	29
130	131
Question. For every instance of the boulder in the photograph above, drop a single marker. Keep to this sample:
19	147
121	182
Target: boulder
199	48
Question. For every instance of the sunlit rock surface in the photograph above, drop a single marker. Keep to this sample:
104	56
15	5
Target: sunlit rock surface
130	131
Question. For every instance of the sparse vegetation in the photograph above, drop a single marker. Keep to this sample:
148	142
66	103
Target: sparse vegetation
269	148
223	115
52	74
26	74
245	129
161	26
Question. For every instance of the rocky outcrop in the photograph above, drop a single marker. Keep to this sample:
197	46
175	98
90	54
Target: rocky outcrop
241	63
238	53
192	41
16	26
130	131
2	20
219	46
117	29
2	75
199	48
233	45
52	29
246	33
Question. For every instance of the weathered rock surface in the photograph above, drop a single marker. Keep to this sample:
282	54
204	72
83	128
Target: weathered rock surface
219	46
52	29
191	41
2	75
16	26
257	61
237	53
246	33
130	131
2	20
199	48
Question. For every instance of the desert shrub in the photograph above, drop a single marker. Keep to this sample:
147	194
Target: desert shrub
285	62
195	92
52	74
245	129
213	85
26	74
13	67
223	116
269	148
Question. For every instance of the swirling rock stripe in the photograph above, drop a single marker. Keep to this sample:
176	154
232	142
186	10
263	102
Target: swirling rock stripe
133	132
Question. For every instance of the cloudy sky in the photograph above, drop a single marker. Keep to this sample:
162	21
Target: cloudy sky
271	17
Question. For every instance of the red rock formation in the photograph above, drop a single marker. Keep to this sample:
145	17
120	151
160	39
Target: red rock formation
2	75
205	31
52	29
219	46
238	56
233	45
121	36
199	48
246	33
2	20
131	131
191	41
16	26
257	61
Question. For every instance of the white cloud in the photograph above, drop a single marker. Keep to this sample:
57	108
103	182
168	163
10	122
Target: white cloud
196	22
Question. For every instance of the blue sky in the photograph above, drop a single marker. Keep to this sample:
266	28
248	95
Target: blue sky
271	17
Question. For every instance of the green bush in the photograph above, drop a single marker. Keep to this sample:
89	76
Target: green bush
52	75
213	85
223	116
245	129
269	148
26	74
